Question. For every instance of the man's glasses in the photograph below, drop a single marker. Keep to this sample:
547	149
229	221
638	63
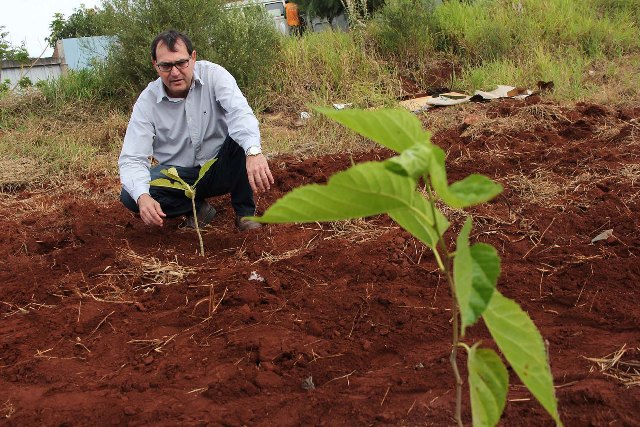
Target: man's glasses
167	66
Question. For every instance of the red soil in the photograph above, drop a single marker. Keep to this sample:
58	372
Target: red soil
87	339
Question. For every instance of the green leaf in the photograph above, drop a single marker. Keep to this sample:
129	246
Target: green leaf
204	169
363	190
475	274
395	129
486	270
522	345
475	189
463	276
173	174
488	386
472	190
413	162
418	219
163	182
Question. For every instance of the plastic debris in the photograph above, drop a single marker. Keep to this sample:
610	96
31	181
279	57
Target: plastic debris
308	384
605	235
255	276
342	106
304	116
423	103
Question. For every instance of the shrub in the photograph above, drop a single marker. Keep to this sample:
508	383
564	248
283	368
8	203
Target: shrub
5	85
405	28
25	82
405	31
77	85
246	43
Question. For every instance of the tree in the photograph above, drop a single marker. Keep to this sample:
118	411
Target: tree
82	22
10	52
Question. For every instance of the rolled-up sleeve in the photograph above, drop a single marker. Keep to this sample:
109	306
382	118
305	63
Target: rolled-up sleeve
242	124
134	161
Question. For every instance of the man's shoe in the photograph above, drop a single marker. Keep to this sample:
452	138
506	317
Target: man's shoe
205	213
246	224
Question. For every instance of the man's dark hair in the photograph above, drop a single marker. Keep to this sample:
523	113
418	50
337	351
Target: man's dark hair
169	38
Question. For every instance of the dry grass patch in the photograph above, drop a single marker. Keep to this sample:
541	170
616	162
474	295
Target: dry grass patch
18	173
279	133
7	409
149	271
526	119
270	257
25	309
312	137
541	188
356	230
545	113
630	172
445	118
156	345
38	202
626	371
69	140
133	273
546	188
615	80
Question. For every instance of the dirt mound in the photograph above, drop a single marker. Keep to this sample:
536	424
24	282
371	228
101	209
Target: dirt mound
106	321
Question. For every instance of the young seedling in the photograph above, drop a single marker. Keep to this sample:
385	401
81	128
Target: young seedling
189	190
472	271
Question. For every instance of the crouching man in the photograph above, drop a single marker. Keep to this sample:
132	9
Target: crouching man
192	113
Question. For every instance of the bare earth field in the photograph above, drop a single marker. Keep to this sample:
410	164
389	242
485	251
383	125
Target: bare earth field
104	321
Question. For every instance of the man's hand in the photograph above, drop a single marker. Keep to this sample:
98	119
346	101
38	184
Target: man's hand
260	178
150	210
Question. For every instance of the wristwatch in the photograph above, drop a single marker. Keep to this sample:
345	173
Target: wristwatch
253	151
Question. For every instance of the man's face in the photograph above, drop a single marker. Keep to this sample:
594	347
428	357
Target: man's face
177	80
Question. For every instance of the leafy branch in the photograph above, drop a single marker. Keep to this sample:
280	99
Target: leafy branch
472	271
10	52
176	182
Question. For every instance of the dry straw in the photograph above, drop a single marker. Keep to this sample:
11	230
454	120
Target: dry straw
625	371
356	230
133	273
150	271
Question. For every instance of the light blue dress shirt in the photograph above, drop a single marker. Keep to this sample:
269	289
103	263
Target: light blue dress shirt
185	131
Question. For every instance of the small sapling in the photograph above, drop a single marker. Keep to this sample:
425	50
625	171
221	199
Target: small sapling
189	190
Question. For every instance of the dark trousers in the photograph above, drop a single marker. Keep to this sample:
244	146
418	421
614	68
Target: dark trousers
227	175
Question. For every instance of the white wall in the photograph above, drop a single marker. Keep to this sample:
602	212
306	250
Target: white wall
41	69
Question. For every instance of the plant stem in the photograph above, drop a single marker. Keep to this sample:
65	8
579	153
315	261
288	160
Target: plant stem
195	220
454	352
447	269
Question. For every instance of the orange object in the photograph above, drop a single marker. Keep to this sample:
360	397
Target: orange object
291	12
